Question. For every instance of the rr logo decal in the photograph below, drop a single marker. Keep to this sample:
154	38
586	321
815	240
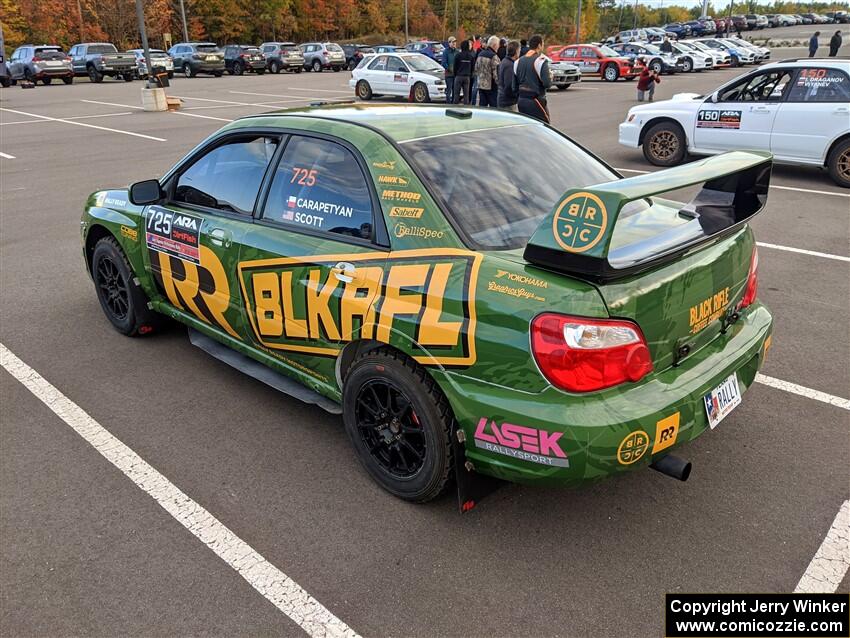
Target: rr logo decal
666	431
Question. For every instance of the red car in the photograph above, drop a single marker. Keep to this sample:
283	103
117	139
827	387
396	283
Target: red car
598	60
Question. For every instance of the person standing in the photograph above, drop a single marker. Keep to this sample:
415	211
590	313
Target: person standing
507	98
813	44
502	51
523	47
666	45
835	43
531	80
463	73
487	72
448	61
646	83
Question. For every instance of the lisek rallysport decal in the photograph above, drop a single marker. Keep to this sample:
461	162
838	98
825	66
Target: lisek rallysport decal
521	442
716	118
422	296
580	222
173	233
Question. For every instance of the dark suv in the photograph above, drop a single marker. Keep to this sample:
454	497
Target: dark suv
197	57
44	62
239	58
354	53
282	56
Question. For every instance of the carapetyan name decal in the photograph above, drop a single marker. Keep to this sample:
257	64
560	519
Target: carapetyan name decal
422	296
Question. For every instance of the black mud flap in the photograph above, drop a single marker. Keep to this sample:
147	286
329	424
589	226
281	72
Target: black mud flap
255	369
472	487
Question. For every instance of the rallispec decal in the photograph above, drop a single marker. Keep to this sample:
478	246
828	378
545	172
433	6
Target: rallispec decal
421	296
633	447
708	310
173	233
579	222
521	442
666	431
420	232
715	118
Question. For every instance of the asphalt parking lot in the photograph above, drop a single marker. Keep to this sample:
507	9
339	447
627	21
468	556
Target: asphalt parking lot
86	552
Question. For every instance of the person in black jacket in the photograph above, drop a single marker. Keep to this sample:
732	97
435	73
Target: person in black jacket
502	51
464	66
531	80
507	98
835	43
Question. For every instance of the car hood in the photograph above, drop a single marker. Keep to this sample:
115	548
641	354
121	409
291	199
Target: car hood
684	97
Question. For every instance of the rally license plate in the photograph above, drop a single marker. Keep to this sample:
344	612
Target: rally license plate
722	400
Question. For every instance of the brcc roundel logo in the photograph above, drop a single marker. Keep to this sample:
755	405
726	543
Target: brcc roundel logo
580	222
633	447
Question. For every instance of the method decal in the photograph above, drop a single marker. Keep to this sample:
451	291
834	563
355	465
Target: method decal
403	196
173	233
422	296
521	442
715	118
580	222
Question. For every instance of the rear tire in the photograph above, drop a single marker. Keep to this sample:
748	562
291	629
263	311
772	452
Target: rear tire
260	71
664	144
610	73
364	91
46	81
128	77
68	80
400	424
274	67
95	76
420	93
238	69
123	302
839	163
316	66
187	70
218	74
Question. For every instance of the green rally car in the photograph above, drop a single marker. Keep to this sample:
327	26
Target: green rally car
473	291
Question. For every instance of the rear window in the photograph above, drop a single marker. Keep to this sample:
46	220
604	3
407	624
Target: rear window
497	200
101	48
50	53
333	47
207	47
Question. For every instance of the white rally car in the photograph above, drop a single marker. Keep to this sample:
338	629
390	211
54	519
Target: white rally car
409	75
692	58
799	110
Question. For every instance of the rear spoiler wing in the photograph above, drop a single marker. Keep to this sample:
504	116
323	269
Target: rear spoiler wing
576	236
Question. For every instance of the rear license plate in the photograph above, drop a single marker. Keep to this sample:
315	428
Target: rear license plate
722	400
53	63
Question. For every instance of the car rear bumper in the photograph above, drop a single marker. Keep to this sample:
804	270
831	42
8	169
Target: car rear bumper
591	429
53	72
207	67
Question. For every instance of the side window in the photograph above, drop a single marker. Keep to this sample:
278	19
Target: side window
396	65
820	85
587	52
761	87
571	53
228	177
379	64
319	185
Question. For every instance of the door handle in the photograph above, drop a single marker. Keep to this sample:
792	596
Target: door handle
344	272
761	109
842	110
221	237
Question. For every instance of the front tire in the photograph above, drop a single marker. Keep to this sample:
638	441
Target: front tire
839	164
187	70
610	73
665	145
420	93
95	76
238	69
364	91
656	67
687	65
123	302
400	424
317	66
274	67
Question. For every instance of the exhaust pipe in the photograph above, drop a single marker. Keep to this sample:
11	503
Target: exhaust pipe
672	466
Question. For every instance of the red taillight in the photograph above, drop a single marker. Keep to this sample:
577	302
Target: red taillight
244	55
579	354
751	291
36	59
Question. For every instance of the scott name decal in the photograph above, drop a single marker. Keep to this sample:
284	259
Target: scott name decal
310	305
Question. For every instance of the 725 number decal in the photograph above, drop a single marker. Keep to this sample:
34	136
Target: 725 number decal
303	176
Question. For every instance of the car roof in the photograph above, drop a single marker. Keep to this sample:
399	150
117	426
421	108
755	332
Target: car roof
400	123
838	62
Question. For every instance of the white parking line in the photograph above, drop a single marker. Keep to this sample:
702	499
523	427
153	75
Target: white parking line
100	128
802	251
278	588
206	99
832	560
803	391
76	117
293	98
294	88
7	156
784	188
206	117
126	106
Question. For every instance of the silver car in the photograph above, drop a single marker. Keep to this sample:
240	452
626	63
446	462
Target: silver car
323	55
160	60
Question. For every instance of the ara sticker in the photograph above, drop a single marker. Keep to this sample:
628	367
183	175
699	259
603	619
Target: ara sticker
173	233
580	222
716	118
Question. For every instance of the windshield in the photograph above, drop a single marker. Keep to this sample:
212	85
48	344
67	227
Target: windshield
497	202
652	49
422	63
609	52
101	48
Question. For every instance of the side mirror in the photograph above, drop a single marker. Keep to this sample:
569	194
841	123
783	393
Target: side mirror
714	97
146	192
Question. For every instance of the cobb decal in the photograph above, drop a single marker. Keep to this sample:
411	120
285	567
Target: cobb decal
311	306
580	222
